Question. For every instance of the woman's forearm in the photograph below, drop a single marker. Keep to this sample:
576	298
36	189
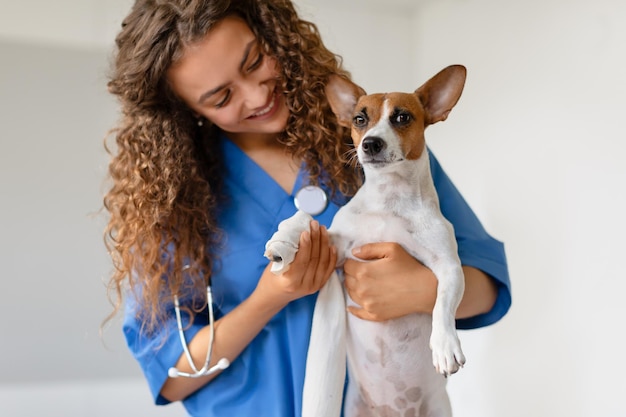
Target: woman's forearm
480	293
233	333
309	271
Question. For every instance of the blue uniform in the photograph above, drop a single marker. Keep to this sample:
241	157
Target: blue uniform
266	380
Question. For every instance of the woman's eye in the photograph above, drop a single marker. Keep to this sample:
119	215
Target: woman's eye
224	100
256	64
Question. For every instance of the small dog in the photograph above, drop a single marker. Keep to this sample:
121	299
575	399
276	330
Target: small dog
389	373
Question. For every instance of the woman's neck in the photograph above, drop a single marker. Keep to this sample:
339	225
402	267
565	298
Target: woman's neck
254	142
272	156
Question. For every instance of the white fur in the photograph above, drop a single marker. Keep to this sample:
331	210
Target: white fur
389	370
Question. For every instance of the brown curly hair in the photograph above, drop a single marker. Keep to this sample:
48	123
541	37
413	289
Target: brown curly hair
165	170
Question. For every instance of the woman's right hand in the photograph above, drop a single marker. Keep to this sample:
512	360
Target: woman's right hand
314	262
311	268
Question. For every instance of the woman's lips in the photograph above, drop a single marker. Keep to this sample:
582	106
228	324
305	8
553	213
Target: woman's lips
268	109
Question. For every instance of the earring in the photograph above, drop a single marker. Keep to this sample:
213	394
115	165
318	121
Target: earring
200	123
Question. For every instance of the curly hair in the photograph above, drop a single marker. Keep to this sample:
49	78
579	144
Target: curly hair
165	170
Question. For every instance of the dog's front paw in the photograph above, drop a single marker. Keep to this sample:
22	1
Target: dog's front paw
282	247
448	357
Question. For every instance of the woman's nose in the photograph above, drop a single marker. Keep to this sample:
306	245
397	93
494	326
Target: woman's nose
256	94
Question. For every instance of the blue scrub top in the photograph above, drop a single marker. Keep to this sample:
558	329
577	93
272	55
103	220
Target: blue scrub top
266	380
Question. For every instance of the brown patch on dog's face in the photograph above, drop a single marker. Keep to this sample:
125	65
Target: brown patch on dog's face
402	111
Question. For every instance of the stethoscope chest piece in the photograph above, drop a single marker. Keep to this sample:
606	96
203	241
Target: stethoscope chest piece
311	199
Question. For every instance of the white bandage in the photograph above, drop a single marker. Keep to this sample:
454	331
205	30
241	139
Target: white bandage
282	247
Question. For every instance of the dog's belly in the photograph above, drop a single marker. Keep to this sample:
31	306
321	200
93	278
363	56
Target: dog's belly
390	364
391	371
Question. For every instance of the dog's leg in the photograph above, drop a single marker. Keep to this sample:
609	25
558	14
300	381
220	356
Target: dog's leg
325	374
444	342
325	366
282	247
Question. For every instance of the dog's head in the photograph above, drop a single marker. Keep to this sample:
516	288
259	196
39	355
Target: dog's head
388	128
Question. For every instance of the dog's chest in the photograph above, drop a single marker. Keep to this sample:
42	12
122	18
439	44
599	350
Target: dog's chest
382	226
366	220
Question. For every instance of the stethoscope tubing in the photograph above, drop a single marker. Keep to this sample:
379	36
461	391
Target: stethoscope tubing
205	370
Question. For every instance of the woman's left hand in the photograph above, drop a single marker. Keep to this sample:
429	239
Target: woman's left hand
390	284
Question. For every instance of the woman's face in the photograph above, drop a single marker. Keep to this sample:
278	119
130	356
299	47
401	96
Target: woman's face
226	78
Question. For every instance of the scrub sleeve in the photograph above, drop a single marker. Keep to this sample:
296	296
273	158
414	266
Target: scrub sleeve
266	380
476	247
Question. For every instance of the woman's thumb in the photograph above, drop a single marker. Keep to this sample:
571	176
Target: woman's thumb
370	251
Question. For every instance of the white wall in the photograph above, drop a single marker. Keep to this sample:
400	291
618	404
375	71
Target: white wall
534	145
71	23
54	112
537	145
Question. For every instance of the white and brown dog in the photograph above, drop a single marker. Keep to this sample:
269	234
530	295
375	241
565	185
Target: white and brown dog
389	370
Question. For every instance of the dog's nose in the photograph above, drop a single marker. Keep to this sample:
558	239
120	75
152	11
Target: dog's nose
373	145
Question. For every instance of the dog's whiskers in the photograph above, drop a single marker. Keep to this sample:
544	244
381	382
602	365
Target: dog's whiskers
352	157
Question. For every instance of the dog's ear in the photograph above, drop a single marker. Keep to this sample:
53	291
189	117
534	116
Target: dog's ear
342	96
441	93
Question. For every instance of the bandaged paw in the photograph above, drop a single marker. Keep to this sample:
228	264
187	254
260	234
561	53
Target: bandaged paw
282	247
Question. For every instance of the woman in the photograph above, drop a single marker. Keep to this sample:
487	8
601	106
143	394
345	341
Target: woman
223	120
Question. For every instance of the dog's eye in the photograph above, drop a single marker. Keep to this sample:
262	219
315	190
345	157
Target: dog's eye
401	118
359	121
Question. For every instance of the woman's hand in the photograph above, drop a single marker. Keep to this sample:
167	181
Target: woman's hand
391	284
314	262
311	268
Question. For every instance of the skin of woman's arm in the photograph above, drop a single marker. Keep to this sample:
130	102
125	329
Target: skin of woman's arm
413	288
313	265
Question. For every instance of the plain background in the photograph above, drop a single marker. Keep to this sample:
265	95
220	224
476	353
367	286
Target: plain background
536	145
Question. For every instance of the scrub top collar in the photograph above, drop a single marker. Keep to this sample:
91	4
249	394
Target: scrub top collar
247	174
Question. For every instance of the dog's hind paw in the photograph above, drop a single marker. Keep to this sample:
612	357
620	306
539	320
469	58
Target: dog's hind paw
448	356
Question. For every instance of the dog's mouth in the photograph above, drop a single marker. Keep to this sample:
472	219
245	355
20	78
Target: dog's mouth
375	162
380	161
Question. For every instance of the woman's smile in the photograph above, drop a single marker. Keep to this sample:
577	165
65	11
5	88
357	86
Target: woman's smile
227	78
269	110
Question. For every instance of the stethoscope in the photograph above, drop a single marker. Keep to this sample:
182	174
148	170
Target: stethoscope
312	200
222	364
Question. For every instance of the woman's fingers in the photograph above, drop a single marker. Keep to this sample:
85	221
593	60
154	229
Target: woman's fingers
315	260
315	242
327	260
314	254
